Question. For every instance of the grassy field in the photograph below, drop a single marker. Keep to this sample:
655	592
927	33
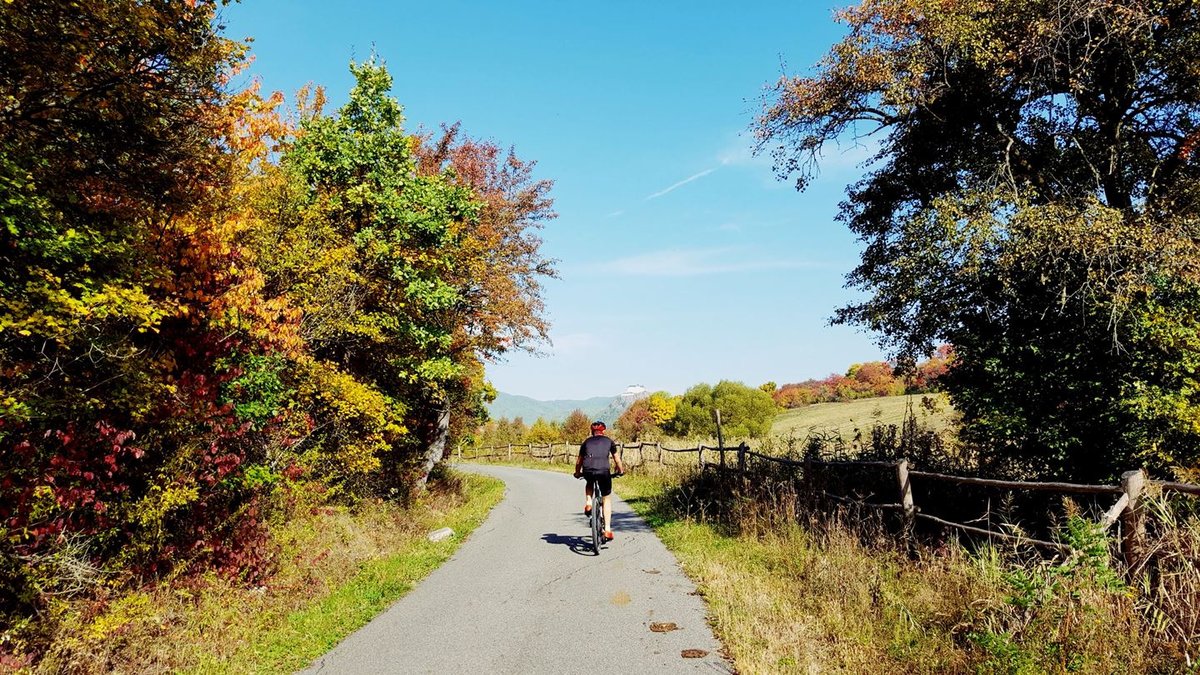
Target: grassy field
849	417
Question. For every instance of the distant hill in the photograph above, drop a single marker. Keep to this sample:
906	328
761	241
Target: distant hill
512	406
607	408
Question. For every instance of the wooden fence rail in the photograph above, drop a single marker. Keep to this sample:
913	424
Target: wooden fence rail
1128	509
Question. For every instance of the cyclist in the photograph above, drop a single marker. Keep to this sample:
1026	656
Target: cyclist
592	463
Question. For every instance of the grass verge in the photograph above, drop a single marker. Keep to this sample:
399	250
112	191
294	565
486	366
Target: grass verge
338	568
823	597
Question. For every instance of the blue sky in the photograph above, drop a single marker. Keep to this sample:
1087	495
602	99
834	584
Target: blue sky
682	258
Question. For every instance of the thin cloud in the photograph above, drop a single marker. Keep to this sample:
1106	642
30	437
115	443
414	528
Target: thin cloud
698	262
681	183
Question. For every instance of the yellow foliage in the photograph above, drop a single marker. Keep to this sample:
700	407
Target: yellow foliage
128	609
160	500
354	421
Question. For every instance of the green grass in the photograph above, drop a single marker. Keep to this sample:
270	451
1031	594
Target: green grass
338	567
849	417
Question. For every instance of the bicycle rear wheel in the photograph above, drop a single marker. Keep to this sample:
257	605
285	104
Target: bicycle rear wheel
597	520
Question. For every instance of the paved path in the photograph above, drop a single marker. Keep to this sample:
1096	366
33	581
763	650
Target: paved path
524	595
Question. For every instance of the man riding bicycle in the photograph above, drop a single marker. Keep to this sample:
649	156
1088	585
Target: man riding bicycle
592	464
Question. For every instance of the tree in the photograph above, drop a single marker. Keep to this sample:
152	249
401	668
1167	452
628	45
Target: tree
1032	202
576	427
926	375
498	264
636	421
661	406
543	433
875	378
746	412
138	415
410	265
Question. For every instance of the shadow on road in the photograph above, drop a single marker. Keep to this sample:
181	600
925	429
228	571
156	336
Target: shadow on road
629	522
580	545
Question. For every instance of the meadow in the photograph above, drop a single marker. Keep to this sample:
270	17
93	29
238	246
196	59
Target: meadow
850	417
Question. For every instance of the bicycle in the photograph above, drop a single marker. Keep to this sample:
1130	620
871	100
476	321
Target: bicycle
597	517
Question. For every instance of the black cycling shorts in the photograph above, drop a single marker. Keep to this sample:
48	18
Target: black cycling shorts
605	480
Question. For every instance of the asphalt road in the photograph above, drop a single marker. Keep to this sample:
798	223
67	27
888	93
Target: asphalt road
524	594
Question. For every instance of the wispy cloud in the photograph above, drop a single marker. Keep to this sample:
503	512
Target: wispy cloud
681	183
698	262
614	214
739	151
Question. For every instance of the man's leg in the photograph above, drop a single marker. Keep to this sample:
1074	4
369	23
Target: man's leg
608	514
587	497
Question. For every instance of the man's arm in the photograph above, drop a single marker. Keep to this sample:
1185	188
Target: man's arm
579	462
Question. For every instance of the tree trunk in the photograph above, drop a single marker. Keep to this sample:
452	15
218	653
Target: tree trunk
436	448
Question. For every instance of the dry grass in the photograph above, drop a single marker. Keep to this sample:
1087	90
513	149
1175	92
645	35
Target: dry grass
337	569
849	418
1169	591
833	594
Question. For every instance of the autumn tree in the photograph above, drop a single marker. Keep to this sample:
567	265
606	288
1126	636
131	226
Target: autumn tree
1033	202
411	262
576	427
661	406
499	266
635	422
134	404
543	432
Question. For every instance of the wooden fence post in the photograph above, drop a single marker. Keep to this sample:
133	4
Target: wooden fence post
659	446
742	458
906	496
700	452
1133	518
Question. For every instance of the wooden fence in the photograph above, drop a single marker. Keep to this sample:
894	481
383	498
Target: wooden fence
1128	509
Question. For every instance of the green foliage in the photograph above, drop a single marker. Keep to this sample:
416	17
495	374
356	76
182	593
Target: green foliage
258	392
358	184
746	412
1057	615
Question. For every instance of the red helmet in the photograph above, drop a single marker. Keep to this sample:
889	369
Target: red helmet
598	426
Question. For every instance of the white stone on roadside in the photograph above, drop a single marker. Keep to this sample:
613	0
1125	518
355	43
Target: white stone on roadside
438	535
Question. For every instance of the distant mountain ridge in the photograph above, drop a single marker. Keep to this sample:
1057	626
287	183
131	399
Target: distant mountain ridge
607	408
